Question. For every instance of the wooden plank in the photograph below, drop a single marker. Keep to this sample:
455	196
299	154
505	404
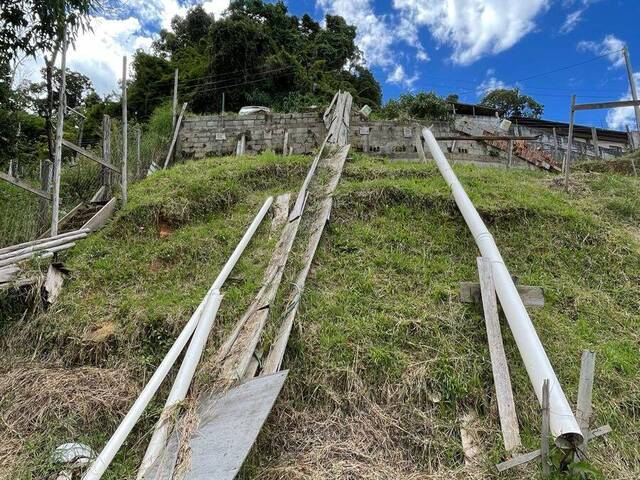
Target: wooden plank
99	195
545	430
584	405
25	186
53	283
175	136
229	427
607	105
532	296
280	212
469	438
527	457
499	366
235	354
100	218
89	155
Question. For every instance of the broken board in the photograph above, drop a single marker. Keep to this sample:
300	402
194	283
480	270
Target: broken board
228	427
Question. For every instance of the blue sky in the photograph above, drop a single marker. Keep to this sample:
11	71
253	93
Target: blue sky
450	46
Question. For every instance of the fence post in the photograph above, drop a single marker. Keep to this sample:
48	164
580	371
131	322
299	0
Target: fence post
57	158
138	135
123	180
567	166
106	149
174	106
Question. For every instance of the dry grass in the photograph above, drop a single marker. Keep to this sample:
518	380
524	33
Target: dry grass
38	400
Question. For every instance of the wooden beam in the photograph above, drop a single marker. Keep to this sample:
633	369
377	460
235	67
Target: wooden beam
100	218
527	457
499	366
488	137
25	186
89	155
585	391
531	296
175	136
606	105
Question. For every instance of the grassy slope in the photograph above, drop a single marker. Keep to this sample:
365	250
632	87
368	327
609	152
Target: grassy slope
384	360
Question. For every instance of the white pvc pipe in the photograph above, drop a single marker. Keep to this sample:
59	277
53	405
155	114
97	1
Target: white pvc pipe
192	357
100	465
564	427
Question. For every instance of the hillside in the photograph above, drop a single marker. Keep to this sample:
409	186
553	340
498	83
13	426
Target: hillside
384	359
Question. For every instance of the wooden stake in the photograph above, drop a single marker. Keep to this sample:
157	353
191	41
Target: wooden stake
138	135
510	154
106	149
499	367
57	159
175	136
594	139
585	393
124	131
567	166
285	147
555	144
174	106
544	433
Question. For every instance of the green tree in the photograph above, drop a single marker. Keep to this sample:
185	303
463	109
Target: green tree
511	103
423	105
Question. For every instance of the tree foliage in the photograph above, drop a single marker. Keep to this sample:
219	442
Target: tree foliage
423	105
256	53
511	103
30	26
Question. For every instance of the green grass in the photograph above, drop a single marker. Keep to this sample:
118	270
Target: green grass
384	359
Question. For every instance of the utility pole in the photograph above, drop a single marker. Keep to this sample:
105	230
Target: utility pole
57	157
175	100
124	131
632	85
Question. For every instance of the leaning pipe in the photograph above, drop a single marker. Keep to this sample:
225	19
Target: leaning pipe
564	428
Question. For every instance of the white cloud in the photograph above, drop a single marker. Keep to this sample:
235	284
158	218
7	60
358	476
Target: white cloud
572	21
400	77
619	118
490	83
474	28
98	53
609	46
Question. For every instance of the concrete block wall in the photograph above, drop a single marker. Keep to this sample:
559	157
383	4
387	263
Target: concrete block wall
216	135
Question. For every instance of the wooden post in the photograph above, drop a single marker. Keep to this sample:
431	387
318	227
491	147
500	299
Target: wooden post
174	107
285	147
222	109
544	434
106	149
499	366
632	146
123	180
567	166
510	164
594	139
57	158
585	394
632	85
555	144
138	135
